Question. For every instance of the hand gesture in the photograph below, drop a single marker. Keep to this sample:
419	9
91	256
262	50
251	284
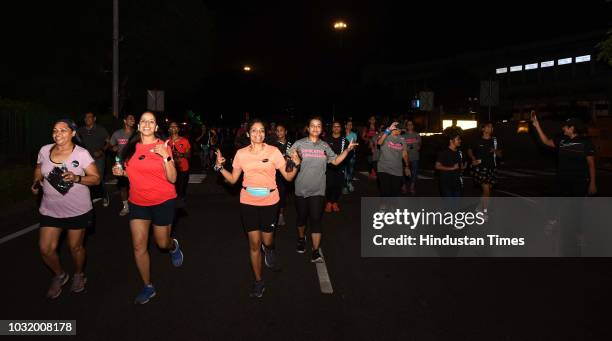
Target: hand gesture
220	158
534	119
352	145
393	126
161	150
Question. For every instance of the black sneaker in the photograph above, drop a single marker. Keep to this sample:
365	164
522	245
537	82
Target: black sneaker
301	245
269	257
258	289
316	257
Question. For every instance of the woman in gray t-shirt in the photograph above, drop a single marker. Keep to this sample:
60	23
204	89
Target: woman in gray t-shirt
310	184
389	167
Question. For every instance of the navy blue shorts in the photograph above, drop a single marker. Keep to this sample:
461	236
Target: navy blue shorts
160	215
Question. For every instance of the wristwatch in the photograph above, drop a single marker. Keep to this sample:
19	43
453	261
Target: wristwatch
168	159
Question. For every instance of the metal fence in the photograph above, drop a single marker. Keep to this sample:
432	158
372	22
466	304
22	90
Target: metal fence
22	134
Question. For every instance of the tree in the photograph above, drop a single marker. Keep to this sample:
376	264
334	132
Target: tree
605	49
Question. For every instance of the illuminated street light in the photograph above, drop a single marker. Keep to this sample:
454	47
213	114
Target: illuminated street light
247	68
340	25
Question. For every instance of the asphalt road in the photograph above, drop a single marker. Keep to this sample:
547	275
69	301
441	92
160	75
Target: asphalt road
372	299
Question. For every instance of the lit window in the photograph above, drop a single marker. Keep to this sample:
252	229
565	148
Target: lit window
447	123
547	64
501	70
516	68
582	59
564	61
531	66
467	124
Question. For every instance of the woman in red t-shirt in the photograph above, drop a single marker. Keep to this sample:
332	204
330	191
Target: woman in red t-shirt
152	173
259	196
181	152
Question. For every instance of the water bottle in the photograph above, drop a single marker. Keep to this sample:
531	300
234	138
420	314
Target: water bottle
118	162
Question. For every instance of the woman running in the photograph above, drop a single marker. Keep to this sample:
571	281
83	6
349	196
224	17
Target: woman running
335	174
349	169
367	134
259	196
118	140
483	154
282	143
63	172
152	198
310	184
393	149
181	153
450	164
413	140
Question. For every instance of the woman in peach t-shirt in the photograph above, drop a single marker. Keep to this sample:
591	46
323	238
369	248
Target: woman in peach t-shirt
259	196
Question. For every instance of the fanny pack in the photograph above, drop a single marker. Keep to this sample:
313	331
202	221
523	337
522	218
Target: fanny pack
258	191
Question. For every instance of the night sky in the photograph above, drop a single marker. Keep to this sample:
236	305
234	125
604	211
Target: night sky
58	52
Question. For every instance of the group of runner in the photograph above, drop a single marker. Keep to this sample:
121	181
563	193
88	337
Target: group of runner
153	174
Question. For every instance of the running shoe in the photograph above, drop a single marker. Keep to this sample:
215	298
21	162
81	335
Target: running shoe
269	257
350	187
301	245
258	289
124	211
78	283
316	257
106	201
55	289
281	220
177	254
147	293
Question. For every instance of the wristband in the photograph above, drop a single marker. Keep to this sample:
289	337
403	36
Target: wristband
387	132
218	168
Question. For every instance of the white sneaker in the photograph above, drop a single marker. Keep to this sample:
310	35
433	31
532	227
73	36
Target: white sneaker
124	211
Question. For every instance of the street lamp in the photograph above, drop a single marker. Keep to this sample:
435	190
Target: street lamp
247	68
340	25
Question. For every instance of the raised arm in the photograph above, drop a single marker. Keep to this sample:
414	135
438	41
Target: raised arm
536	124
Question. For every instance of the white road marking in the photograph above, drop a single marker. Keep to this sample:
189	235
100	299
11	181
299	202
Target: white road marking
537	172
196	178
96	200
19	233
517	196
423	177
364	173
511	173
324	280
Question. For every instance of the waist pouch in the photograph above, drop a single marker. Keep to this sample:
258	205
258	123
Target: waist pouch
258	191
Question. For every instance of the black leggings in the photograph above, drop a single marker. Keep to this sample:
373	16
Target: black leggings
390	185
310	210
182	179
335	181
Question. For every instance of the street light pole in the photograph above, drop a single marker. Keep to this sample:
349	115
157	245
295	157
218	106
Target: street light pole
339	26
116	58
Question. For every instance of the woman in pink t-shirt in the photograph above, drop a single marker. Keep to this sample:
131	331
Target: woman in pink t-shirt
151	170
259	196
63	171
